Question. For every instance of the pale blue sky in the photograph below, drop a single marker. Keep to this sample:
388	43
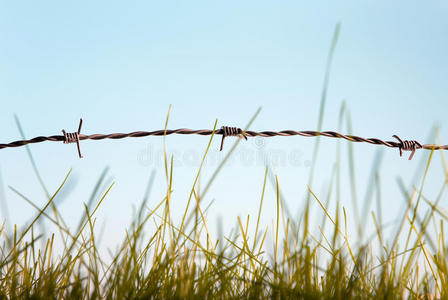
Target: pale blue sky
119	66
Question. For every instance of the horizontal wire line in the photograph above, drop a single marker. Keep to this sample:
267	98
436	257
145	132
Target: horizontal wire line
205	132
225	131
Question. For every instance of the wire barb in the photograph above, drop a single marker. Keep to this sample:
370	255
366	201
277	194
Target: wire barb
231	131
73	137
408	146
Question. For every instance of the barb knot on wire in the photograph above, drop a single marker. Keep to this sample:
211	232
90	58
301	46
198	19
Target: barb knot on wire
73	137
231	131
408	146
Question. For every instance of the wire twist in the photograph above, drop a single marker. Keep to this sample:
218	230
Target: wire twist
408	146
73	137
231	131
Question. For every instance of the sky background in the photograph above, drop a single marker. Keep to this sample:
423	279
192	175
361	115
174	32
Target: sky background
120	65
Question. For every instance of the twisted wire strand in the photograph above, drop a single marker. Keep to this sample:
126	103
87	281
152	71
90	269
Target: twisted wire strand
225	132
73	137
408	146
231	131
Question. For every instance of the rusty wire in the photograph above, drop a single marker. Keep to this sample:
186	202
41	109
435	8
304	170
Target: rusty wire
406	145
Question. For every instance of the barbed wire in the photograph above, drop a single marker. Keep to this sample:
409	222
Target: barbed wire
225	131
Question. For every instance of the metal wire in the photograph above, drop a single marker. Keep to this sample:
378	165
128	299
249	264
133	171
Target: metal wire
231	131
73	137
406	145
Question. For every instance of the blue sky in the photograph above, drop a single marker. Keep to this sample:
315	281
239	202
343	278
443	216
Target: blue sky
119	66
